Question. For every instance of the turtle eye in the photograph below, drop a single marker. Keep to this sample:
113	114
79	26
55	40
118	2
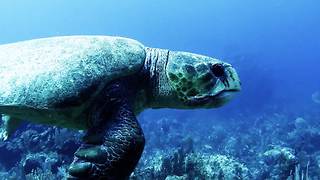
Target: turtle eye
218	70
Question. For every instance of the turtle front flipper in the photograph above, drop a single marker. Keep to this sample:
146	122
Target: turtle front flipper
114	143
8	126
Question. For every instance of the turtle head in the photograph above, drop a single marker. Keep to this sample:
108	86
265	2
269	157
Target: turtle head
199	81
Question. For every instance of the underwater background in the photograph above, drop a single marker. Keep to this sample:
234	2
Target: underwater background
271	130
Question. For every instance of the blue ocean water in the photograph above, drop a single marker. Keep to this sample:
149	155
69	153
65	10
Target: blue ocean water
270	130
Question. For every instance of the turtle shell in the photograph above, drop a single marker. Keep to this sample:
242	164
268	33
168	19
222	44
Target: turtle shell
66	71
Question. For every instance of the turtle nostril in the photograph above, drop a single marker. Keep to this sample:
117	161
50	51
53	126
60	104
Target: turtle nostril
218	70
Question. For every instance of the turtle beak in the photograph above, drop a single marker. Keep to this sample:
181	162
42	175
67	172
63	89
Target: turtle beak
231	80
227	85
227	79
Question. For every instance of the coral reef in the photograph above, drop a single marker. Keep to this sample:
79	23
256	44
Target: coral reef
38	152
280	162
181	165
264	146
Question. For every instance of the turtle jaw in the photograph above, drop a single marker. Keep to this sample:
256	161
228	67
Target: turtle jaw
213	101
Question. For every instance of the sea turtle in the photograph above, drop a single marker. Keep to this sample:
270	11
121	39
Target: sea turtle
100	84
